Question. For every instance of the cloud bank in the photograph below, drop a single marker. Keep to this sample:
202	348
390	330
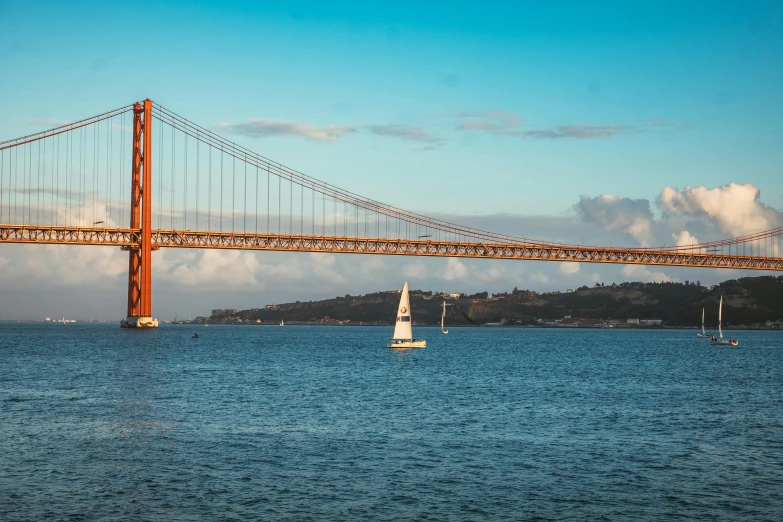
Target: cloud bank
631	216
261	128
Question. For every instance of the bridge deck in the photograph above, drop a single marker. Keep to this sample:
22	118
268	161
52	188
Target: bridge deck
126	237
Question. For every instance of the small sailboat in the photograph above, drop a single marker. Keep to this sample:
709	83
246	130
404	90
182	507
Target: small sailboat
63	321
721	341
403	332
442	319
282	324
703	333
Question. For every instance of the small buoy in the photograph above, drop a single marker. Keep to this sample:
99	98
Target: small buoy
195	336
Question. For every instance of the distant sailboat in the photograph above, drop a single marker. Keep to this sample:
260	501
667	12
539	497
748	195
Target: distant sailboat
63	321
443	319
721	341
703	333
282	324
403	332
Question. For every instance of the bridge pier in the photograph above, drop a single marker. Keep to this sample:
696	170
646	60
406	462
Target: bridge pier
140	257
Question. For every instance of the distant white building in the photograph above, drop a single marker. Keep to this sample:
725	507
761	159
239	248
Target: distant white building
633	321
455	295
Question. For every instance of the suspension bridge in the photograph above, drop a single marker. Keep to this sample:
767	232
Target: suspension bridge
141	178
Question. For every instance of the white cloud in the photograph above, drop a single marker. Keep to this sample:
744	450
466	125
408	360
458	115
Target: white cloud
263	128
570	268
637	272
497	122
64	266
618	214
494	273
372	265
454	269
223	268
684	238
415	271
406	132
735	208
540	277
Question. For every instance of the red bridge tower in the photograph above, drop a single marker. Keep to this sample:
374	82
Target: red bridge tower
140	254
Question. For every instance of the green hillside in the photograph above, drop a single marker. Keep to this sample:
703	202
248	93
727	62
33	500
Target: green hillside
747	301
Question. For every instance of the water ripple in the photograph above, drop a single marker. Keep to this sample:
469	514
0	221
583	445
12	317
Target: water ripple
310	423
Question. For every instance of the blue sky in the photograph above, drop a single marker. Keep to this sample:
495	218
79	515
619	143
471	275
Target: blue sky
454	108
710	69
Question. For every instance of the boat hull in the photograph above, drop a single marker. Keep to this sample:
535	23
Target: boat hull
404	345
728	342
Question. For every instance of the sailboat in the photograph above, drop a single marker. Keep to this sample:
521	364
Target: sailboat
703	333
721	341
282	324
442	319
403	333
63	321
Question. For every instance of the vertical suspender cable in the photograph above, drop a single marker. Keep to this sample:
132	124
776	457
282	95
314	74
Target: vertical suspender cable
209	193
244	205
38	191
2	180
109	166
171	186
122	170
198	172
267	199
221	189
56	173
185	188
159	153
279	202
233	191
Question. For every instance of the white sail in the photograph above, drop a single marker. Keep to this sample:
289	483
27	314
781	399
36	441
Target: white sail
720	317
702	322
402	328
443	319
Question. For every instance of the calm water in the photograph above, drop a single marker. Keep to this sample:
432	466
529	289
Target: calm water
298	423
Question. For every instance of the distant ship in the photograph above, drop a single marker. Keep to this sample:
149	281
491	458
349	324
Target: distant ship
403	332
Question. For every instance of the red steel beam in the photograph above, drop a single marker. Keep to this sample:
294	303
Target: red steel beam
134	255
146	216
131	239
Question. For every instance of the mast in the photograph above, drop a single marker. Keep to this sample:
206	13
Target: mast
702	321
720	317
443	317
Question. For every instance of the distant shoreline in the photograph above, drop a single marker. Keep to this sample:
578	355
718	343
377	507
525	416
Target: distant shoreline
390	325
